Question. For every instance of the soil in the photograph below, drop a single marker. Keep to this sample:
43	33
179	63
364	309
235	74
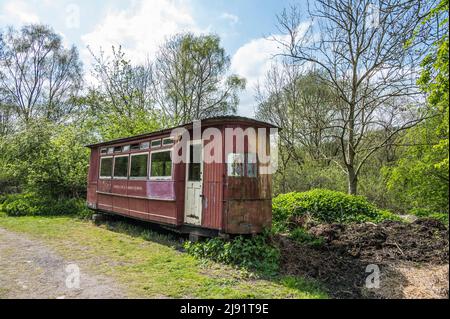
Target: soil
30	269
403	252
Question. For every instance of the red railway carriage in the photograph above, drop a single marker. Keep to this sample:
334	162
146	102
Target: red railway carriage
203	178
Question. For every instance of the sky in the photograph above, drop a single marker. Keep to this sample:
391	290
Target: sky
244	27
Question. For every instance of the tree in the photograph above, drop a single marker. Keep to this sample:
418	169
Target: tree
421	176
189	79
359	48
301	104
120	102
37	74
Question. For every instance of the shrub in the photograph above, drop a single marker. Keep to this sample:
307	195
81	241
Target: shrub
254	253
31	204
302	236
426	213
325	206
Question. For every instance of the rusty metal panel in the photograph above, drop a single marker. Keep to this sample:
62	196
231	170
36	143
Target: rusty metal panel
212	204
248	217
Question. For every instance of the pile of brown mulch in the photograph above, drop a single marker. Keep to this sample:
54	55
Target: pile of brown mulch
341	262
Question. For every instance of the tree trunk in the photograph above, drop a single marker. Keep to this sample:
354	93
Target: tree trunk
352	180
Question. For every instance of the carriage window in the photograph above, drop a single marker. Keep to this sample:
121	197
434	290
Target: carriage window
156	143
194	169
125	148
110	150
134	147
117	149
235	164
121	166
167	141
161	164
104	150
251	165
145	145
106	167
138	165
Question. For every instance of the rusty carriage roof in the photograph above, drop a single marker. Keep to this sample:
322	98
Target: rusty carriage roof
208	121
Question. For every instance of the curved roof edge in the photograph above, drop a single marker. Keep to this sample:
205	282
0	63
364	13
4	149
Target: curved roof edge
208	121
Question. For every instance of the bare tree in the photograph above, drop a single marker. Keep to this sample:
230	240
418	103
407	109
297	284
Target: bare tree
189	79
362	52
37	74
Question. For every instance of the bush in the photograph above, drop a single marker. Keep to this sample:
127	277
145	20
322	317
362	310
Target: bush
426	213
300	235
325	206
31	204
250	253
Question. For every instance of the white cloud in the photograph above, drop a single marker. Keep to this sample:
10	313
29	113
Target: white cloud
253	60
233	19
17	12
141	28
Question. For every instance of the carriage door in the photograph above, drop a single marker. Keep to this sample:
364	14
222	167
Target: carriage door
194	184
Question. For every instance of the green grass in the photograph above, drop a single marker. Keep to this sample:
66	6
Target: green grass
149	264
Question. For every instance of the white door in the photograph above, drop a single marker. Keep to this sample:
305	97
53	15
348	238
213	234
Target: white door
194	184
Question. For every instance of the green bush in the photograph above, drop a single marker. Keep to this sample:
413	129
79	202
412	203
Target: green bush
426	213
300	235
31	204
254	253
325	206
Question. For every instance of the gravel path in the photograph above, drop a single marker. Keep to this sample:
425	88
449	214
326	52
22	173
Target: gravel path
31	269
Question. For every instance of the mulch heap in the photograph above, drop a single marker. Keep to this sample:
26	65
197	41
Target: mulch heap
340	263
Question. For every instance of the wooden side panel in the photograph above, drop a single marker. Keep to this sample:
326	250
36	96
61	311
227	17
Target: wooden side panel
92	178
104	202
248	217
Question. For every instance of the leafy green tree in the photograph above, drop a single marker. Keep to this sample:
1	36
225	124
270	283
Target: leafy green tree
190	79
38	76
421	176
47	159
119	102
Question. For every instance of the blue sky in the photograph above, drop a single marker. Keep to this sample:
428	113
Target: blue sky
141	26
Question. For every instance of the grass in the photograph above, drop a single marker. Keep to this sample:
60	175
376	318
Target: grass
151	265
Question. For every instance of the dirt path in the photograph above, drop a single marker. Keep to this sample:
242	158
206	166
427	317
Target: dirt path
30	269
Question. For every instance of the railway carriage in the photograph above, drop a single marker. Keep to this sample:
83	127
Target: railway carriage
180	181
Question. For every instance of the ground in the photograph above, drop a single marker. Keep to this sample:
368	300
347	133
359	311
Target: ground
117	260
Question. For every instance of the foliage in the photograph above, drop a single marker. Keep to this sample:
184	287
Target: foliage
420	179
325	206
425	213
31	204
39	77
254	253
191	79
47	159
300	235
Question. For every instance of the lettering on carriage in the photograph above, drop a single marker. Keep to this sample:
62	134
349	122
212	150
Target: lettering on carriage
134	188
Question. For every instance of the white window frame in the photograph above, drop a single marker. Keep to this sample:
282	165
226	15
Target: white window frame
114	167
167	138
157	139
148	166
100	168
165	178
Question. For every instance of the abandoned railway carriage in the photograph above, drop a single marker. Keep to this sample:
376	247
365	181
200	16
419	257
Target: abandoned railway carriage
230	193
